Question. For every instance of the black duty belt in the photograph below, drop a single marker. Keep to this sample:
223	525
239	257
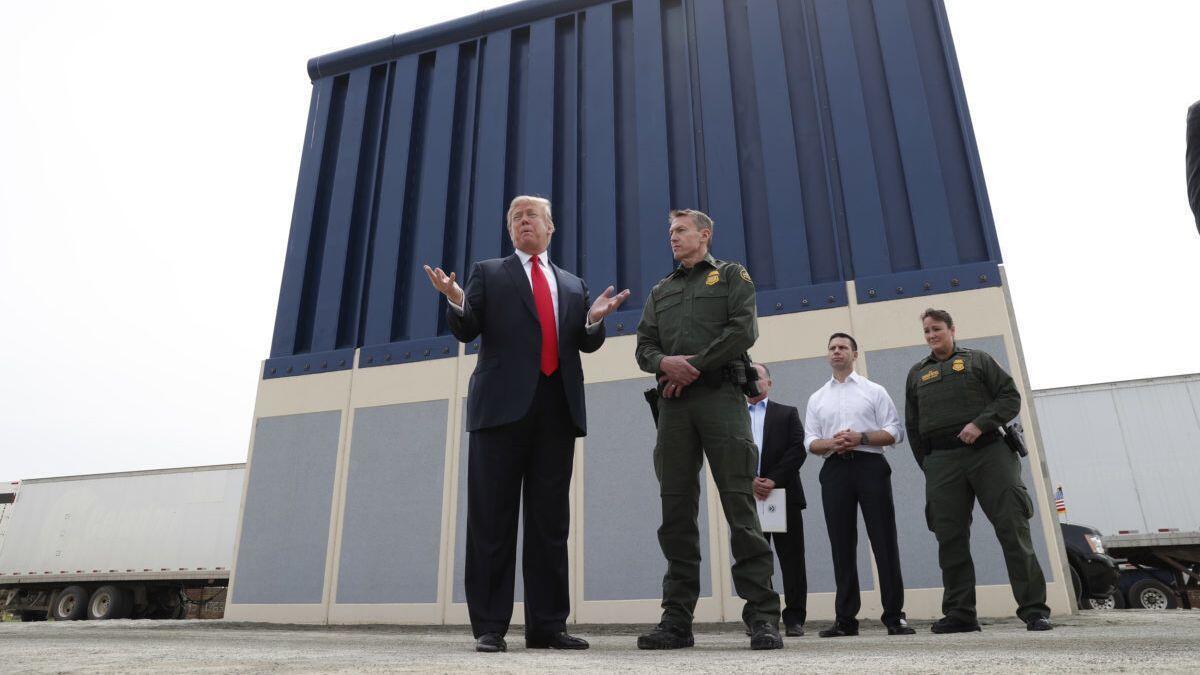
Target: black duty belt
951	441
713	379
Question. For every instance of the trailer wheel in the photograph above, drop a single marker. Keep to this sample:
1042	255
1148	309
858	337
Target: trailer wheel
1113	601
166	603
70	605
1151	594
110	602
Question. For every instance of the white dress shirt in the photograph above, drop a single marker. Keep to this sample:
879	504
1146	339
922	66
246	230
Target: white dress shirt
551	279
758	417
857	404
527	265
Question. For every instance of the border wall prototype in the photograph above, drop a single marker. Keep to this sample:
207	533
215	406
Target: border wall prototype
830	141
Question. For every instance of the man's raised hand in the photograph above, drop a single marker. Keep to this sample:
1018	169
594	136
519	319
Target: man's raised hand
606	304
446	285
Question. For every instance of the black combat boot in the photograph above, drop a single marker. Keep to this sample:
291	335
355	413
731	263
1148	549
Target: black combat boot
765	635
667	636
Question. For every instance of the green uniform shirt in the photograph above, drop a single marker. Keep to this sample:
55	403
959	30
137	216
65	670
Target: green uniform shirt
707	310
943	396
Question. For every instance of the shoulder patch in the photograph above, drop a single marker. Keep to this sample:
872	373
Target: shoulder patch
746	276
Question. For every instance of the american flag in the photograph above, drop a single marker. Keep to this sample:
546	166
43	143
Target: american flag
1060	504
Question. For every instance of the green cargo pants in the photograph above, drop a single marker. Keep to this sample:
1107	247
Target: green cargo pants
954	479
713	422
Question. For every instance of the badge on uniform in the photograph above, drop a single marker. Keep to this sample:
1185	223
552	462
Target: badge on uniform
929	375
712	279
958	366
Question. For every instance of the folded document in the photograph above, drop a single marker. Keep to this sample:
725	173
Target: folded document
772	514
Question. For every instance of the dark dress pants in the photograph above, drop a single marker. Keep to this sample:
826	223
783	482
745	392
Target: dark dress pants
849	482
536	452
789	547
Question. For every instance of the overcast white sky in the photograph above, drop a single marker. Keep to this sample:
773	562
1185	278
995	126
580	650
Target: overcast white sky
148	162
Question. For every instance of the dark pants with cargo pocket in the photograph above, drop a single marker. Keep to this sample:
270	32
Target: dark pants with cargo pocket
954	479
712	423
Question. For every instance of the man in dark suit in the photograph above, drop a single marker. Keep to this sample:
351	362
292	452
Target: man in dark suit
525	407
780	438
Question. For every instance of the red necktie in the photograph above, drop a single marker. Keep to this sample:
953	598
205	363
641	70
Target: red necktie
545	312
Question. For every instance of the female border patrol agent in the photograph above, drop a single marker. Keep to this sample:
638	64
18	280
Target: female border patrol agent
696	325
956	401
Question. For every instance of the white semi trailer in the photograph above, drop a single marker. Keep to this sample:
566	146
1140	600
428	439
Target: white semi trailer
116	545
1125	455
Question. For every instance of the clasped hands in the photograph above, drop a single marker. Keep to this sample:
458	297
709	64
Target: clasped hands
846	440
763	487
675	374
604	305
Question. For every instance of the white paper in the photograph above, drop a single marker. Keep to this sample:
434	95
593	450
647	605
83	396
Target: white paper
772	511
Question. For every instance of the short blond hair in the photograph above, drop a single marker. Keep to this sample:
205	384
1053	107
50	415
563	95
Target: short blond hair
529	199
699	218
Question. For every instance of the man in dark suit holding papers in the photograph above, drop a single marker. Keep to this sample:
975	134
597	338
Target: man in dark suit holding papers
780	438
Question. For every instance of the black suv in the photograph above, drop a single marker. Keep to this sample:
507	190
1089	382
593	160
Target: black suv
1093	574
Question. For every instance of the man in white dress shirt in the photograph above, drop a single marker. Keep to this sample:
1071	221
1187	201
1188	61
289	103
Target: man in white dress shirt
851	421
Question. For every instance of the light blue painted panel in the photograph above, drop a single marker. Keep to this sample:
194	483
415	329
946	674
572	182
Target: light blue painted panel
391	528
285	522
622	509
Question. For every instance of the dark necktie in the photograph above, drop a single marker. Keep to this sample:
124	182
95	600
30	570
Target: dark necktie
545	312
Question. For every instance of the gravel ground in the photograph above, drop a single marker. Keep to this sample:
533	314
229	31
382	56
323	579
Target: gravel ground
1129	640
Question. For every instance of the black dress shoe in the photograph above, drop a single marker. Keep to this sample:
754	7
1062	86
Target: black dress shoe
667	636
793	629
949	624
559	640
1039	623
901	629
839	630
490	643
765	635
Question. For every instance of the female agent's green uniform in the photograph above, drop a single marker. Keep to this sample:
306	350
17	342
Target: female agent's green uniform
941	398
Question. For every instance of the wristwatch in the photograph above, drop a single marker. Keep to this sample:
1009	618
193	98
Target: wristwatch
863	439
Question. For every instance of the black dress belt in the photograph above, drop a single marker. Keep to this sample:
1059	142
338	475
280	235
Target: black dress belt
850	454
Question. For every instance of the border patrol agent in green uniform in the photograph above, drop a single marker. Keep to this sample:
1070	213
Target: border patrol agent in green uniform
956	401
695	323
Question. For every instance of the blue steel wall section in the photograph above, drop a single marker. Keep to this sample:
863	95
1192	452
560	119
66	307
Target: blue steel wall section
829	139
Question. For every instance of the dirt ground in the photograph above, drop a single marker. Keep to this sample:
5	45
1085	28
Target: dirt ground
1128	640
